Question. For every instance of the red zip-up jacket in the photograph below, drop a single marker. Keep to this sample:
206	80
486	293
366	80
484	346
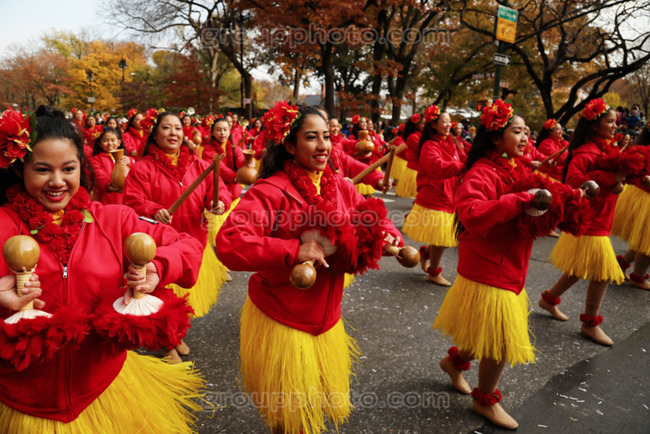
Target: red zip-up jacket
261	235
62	387
151	187
134	140
492	250
548	147
103	165
229	168
582	167
348	167
412	149
440	164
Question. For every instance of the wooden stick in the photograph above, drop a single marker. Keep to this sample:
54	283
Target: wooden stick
623	148
389	166
555	155
216	171
172	209
357	179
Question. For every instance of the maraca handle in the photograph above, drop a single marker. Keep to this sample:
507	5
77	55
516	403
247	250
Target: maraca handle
23	277
393	250
141	270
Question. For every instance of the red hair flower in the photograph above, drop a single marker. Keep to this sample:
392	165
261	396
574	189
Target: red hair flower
416	118
131	113
454	124
550	124
279	120
431	113
497	115
355	119
595	109
149	119
400	128
73	110
15	137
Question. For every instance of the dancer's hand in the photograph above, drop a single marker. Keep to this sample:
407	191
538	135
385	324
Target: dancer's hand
163	216
10	300
137	283
312	250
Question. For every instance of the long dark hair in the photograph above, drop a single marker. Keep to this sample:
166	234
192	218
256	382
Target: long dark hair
50	124
355	128
151	139
542	135
276	154
644	137
583	132
483	142
409	129
97	147
132	119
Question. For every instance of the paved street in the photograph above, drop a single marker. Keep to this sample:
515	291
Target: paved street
575	385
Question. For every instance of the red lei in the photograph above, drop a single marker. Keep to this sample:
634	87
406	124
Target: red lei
306	187
177	171
605	145
509	166
59	239
228	161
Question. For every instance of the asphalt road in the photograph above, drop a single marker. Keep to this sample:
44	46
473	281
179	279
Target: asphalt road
574	386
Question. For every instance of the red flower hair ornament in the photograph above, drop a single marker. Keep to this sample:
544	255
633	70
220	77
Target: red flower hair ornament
279	120
595	109
355	119
416	118
497	116
431	113
400	128
550	124
131	113
15	136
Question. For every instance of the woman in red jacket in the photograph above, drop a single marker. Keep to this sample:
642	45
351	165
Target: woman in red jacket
486	310
366	157
79	378
407	184
134	137
103	164
431	219
154	183
296	357
591	255
550	141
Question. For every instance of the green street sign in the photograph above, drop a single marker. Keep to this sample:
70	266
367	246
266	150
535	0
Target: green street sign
507	14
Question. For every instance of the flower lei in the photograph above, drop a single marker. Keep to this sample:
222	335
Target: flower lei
508	165
306	187
431	113
604	145
163	160
279	120
59	239
497	116
225	148
416	118
550	124
595	109
15	136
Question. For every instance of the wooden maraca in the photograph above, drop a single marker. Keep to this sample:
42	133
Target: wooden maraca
408	256
140	249
118	175
303	275
591	188
21	254
617	188
542	200
247	173
645	181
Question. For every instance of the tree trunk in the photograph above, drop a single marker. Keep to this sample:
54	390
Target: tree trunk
296	84
328	73
248	92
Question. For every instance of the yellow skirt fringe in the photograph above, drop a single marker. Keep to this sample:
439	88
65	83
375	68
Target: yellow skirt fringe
587	257
295	379
148	396
365	189
631	219
430	226
214	222
488	322
205	292
408	184
349	280
397	168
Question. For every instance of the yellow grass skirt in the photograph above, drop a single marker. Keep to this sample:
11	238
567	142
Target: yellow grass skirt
214	222
430	226
631	219
296	379
488	322
148	396
408	183
349	280
397	168
587	257
365	189
205	292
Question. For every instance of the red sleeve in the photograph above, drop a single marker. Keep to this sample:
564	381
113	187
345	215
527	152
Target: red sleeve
208	152
244	242
578	172
239	154
352	167
137	191
259	145
479	209
437	166
102	174
536	154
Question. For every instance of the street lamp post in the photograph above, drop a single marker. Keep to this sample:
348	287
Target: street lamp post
91	77
123	67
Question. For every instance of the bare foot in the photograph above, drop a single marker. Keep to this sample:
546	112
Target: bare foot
172	357
495	414
643	284
553	310
439	280
456	376
596	334
183	349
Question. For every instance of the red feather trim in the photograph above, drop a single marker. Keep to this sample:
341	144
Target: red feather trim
369	219
34	340
163	329
578	213
629	163
644	154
